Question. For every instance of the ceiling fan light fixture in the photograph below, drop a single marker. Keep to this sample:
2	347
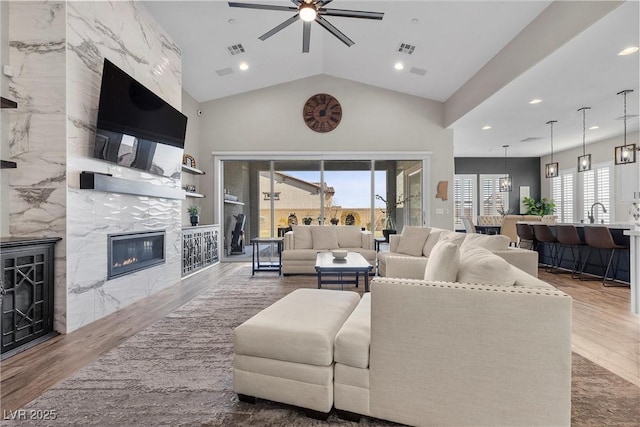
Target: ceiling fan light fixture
308	12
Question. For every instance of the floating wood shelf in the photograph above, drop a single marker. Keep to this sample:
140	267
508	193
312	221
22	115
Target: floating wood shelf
192	194
103	182
194	171
7	103
6	164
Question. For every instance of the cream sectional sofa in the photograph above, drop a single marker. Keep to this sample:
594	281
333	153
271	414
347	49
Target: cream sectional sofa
422	352
476	341
418	242
303	242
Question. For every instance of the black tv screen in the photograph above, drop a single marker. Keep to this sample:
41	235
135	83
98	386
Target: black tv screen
136	128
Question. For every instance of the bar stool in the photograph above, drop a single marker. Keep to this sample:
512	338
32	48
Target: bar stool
543	234
600	238
525	234
568	236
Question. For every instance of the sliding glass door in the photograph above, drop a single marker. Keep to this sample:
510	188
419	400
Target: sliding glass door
271	195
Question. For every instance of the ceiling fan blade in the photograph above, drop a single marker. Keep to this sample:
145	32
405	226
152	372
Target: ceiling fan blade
333	30
306	36
274	30
263	6
296	2
351	13
322	3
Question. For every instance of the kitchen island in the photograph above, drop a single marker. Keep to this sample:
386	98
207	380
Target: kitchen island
627	261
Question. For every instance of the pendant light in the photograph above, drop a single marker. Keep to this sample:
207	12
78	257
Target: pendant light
625	153
551	169
584	161
505	183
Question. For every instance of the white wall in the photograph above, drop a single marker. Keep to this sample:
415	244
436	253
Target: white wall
601	152
374	119
190	108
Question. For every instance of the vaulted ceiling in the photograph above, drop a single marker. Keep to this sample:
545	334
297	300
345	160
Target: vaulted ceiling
484	59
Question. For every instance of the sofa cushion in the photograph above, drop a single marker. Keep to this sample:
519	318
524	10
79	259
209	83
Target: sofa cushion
349	236
495	242
324	237
412	240
353	339
453	237
434	237
302	237
480	266
443	262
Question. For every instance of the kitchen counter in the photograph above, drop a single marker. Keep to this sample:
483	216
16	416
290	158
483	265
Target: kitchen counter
616	226
634	271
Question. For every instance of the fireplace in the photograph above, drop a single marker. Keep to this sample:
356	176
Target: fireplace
134	251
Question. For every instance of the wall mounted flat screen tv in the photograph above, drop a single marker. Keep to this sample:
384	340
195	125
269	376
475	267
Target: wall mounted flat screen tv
136	128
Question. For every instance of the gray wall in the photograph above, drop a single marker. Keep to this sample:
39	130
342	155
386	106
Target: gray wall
523	170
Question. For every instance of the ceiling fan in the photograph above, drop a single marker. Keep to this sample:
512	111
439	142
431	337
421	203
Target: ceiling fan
309	11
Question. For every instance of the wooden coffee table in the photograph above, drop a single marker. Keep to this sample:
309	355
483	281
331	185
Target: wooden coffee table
353	265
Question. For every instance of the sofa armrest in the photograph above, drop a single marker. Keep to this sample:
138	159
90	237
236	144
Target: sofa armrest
394	239
288	241
523	259
367	240
406	267
457	354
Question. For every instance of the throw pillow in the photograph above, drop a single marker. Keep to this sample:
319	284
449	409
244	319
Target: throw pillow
480	266
324	237
496	242
453	237
443	262
349	236
412	240
302	237
434	237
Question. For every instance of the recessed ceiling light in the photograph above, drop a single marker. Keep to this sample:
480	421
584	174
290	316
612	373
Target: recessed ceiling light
487	127
535	101
628	51
399	66
594	127
244	66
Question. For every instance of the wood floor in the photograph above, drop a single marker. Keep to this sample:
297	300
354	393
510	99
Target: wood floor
604	331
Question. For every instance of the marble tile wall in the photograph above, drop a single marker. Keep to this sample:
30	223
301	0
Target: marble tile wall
36	134
57	49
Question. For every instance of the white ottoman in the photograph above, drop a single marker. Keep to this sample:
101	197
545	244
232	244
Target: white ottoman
285	352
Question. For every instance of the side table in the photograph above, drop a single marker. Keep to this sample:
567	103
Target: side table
256	264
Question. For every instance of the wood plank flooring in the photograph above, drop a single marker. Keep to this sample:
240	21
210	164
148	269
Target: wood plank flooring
604	331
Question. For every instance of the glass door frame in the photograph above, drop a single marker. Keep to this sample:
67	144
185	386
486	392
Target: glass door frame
220	157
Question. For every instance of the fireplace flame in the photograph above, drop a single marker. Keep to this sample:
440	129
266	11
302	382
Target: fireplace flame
127	261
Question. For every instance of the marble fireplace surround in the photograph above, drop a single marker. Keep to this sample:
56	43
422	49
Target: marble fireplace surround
57	50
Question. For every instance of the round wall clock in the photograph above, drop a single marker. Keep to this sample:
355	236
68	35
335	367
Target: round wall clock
322	113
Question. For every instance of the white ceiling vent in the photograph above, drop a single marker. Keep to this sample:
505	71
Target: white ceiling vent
235	49
532	138
224	72
406	48
418	71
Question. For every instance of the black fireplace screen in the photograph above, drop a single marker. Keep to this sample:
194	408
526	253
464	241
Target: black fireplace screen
135	251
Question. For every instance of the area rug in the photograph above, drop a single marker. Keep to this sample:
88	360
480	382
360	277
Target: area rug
178	372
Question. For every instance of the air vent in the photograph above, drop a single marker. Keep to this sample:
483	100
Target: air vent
224	72
236	49
532	138
418	71
406	48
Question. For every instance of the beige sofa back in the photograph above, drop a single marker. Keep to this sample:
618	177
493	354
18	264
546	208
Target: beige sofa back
453	354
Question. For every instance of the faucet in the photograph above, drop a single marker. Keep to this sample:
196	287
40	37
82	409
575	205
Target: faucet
591	217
